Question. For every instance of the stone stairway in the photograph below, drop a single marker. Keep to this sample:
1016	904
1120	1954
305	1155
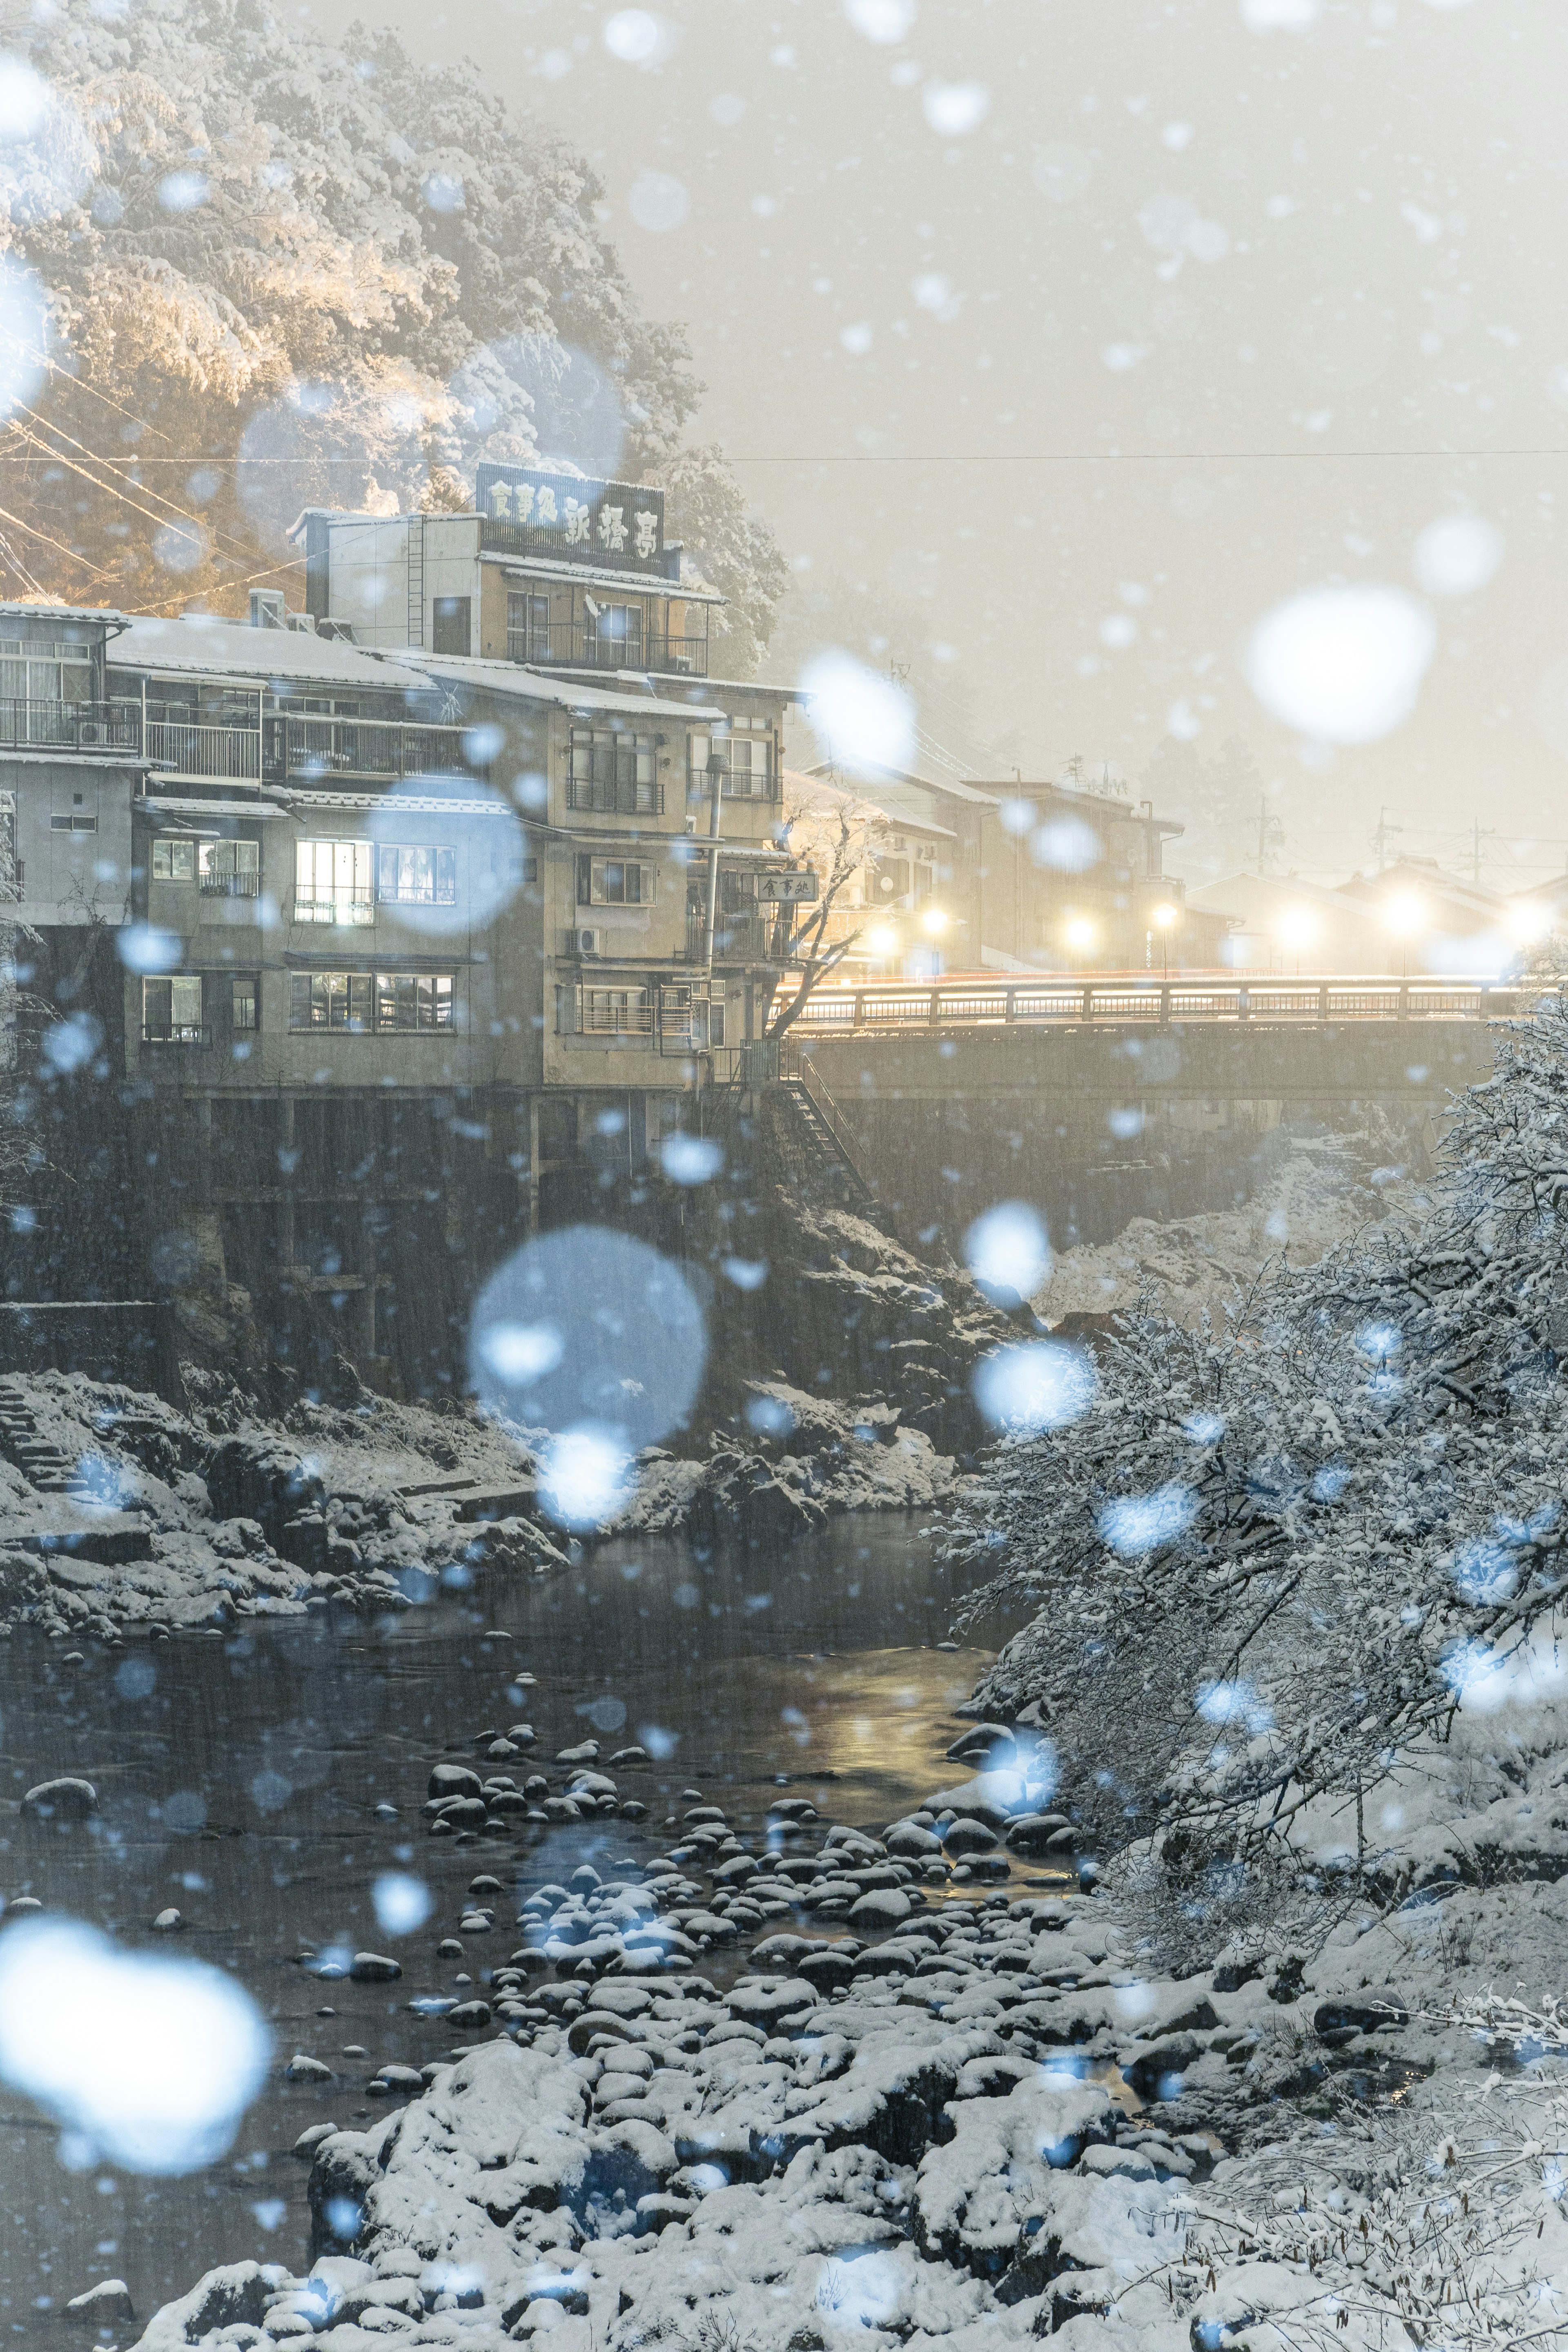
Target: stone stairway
46	1467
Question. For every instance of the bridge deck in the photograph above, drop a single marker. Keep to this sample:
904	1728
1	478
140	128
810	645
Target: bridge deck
983	1000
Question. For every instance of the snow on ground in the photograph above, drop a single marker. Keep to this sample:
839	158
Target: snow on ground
1320	1194
119	1514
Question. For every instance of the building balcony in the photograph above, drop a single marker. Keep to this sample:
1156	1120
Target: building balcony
337	906
302	748
68	726
176	1033
573	644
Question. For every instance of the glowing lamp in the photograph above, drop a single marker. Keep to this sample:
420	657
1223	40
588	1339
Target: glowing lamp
1163	915
934	921
1403	913
882	940
1080	933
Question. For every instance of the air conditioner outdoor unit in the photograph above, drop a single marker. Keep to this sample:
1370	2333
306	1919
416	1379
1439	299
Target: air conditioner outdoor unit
581	942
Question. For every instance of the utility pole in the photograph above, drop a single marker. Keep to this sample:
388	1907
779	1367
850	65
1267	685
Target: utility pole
1382	838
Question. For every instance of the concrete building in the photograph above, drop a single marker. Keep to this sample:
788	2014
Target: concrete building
386	952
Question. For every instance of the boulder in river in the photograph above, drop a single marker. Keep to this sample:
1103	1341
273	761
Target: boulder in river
883	1907
304	2069
61	1800
98	2307
374	1968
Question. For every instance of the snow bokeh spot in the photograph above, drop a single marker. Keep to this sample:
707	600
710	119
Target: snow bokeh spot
1341	666
1456	555
402	1903
585	1476
1067	844
659	202
151	2061
1037	1385
24	335
692	1159
855	715
1007	1252
1131	1524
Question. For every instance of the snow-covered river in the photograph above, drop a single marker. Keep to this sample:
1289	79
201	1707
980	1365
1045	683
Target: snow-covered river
238	1778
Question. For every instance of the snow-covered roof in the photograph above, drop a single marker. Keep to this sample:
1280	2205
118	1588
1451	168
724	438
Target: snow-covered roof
197	645
812	792
485	676
103	613
690	590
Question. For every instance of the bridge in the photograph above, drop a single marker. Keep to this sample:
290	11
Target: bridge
967	1001
1105	1097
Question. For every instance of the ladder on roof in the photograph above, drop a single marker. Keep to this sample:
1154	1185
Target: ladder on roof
415	580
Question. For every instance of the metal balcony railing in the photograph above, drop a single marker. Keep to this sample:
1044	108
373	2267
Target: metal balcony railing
616	795
309	746
229	885
302	746
571	644
176	1033
190	748
70	725
332	906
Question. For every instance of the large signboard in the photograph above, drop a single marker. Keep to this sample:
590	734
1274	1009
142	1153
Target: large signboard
618	525
798	889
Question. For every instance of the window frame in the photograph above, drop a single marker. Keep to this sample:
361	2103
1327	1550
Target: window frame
350	1004
596	872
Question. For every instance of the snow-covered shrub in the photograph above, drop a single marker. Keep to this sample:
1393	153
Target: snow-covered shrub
1269	1556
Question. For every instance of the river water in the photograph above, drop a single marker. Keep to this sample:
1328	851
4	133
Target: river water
238	1776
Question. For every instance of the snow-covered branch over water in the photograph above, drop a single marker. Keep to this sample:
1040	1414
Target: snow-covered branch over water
1269	1556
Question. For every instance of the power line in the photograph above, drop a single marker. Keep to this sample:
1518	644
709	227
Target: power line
1128	456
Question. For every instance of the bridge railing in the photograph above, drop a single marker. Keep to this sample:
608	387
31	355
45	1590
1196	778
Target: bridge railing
1113	997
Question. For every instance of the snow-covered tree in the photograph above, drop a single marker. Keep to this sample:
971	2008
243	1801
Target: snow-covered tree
281	272
1269	1556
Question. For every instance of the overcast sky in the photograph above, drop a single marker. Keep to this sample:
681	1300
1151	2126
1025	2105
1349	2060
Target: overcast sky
1098	330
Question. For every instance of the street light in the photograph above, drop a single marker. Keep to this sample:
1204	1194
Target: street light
1298	927
1163	916
1403	915
883	940
1081	935
934	922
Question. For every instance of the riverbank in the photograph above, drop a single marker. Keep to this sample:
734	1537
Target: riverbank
973	2119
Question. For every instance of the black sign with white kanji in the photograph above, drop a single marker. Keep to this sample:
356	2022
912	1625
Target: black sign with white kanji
617	525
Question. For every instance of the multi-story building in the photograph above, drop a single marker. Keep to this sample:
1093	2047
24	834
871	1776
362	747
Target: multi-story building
1032	875
360	897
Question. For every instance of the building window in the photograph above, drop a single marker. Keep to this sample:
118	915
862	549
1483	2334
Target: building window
407	1000
172	1010
173	860
333	882
358	1001
76	823
615	635
44	670
616	882
245	1000
527	627
746	755
229	869
452	631
615	774
409	876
